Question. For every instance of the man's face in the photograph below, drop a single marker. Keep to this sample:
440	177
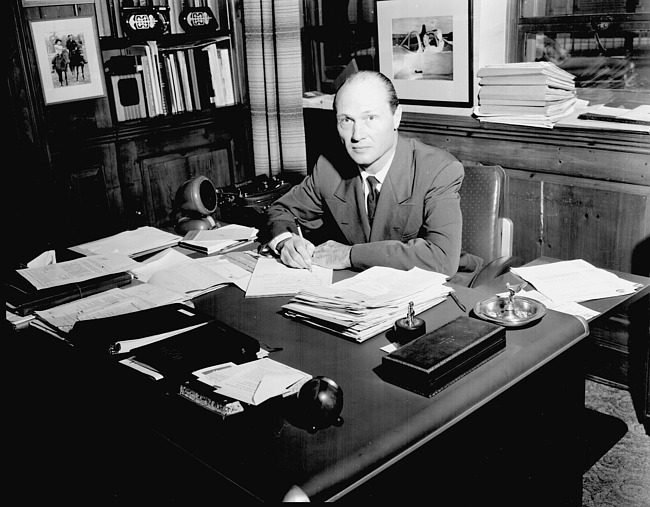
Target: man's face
366	124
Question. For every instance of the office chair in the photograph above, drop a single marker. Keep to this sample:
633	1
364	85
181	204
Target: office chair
485	232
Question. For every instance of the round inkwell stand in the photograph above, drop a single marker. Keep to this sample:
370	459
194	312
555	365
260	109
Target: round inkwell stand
410	327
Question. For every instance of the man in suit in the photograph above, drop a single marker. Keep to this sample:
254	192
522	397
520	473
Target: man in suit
417	219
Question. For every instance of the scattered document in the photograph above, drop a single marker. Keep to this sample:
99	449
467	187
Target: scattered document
272	278
225	267
574	281
109	303
77	270
177	272
370	302
570	308
221	239
132	243
253	382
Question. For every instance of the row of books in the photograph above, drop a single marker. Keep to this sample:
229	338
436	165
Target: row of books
529	93
156	81
110	13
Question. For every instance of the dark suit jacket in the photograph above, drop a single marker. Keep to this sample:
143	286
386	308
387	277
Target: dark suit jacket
417	222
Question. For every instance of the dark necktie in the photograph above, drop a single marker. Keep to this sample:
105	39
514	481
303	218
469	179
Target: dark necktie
373	195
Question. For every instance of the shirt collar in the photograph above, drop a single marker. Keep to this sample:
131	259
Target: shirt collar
381	175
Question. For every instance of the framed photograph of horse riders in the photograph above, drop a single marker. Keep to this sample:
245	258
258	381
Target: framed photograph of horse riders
425	47
68	57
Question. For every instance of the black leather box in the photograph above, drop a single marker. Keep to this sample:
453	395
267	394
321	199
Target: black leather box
435	360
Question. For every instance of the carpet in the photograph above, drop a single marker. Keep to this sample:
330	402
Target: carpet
621	477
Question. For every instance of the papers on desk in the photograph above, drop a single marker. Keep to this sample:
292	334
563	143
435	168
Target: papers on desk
272	278
177	272
169	277
108	304
253	382
370	302
77	270
574	281
141	241
222	239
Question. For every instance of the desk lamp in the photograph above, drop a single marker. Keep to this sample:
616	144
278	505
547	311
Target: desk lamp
196	199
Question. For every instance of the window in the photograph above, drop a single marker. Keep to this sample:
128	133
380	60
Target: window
605	44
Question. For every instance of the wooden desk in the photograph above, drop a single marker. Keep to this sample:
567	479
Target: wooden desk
505	432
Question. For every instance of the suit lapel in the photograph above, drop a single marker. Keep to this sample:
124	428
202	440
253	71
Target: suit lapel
396	191
349	211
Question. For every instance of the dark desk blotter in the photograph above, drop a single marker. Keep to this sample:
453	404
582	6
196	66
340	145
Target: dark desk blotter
431	362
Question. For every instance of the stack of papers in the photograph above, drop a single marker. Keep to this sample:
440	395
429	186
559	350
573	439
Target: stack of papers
142	241
222	239
527	93
253	382
370	302
567	282
168	277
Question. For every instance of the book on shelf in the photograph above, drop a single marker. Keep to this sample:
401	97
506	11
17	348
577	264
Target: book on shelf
226	72
128	96
552	109
519	68
506	101
432	362
185	79
215	74
527	79
176	79
523	92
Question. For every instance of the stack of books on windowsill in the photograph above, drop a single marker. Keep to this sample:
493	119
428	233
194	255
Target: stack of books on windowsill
529	93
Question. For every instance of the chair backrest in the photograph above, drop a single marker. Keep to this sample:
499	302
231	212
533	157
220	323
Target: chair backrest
485	232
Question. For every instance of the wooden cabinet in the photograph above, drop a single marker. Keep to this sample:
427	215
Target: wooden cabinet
107	175
569	217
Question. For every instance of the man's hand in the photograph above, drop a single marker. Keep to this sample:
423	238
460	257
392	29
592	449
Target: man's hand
296	252
333	255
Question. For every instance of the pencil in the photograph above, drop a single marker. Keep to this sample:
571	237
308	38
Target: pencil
301	236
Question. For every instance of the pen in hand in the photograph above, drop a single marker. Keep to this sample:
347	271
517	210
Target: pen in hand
302	238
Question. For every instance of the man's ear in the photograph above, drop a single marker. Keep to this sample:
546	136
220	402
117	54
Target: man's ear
397	117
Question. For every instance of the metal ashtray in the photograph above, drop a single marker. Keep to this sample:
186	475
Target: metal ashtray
510	311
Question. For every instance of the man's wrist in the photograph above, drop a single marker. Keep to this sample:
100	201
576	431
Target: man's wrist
280	245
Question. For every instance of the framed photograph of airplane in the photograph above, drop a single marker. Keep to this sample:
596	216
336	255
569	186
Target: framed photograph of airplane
426	49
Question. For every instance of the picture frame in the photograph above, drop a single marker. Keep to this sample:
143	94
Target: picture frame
68	58
425	48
